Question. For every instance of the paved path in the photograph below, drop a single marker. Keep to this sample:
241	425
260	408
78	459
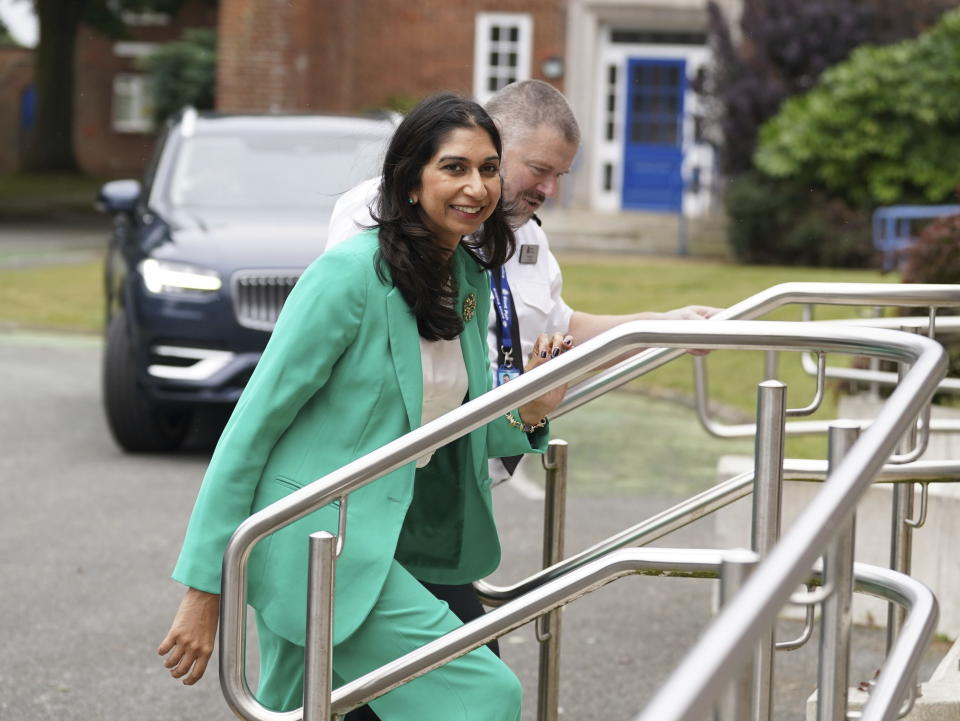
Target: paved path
90	534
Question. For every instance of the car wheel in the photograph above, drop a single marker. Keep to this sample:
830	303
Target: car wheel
135	422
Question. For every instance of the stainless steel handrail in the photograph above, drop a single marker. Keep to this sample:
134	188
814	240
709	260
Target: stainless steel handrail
801	428
729	641
899	670
778	296
672	562
703	504
925	356
889	378
816	368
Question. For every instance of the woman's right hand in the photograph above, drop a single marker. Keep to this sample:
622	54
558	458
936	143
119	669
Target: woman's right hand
547	346
189	642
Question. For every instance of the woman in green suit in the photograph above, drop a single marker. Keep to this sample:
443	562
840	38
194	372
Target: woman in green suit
380	335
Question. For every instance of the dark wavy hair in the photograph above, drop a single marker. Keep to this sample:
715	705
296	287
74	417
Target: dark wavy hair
409	257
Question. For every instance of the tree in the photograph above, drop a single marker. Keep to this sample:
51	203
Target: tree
786	46
882	127
5	37
184	73
59	21
783	49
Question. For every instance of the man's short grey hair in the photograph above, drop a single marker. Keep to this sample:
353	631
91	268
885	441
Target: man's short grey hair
526	105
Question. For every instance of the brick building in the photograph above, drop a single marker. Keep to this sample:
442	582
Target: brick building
114	129
16	78
334	56
624	64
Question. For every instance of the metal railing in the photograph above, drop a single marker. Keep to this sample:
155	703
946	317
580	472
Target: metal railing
705	503
747	612
685	513
758	305
899	296
826	523
874	377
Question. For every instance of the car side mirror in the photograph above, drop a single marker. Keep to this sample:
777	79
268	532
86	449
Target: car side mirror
118	196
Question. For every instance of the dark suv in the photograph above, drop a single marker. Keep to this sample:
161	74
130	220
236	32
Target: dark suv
205	251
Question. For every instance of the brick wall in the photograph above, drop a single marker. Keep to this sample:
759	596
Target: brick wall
336	56
102	151
16	74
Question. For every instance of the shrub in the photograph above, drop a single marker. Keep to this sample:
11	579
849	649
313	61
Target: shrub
783	47
934	257
772	223
882	127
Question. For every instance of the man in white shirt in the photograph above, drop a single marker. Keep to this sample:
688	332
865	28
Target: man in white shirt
540	140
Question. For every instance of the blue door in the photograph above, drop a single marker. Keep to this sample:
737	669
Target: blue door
28	108
653	141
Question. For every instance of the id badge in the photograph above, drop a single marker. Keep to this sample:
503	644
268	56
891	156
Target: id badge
506	374
529	254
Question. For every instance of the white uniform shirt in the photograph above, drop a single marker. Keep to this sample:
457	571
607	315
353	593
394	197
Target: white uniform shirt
535	286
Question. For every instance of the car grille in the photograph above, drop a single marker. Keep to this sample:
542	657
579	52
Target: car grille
259	295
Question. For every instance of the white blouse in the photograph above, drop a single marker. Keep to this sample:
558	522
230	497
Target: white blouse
444	381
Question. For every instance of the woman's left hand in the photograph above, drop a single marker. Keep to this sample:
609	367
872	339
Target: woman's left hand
546	347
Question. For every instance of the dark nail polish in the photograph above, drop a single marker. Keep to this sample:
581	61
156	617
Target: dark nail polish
556	352
543	354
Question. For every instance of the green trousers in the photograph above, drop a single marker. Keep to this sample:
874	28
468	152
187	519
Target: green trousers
474	687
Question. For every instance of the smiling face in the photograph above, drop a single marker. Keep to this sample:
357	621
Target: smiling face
533	163
459	185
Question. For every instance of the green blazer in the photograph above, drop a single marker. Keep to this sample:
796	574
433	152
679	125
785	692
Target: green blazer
339	378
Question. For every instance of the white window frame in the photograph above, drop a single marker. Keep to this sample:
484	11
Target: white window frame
484	46
610	151
140	18
138	89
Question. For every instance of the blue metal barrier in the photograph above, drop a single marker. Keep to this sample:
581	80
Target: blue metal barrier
893	224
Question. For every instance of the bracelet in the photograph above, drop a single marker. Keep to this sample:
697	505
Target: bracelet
525	427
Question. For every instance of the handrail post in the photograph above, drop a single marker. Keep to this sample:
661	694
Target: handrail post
771	361
737	703
767	485
548	625
835	622
874	363
318	653
901	533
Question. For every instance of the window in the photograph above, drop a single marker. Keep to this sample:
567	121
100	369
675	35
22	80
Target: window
611	109
133	103
502	50
145	18
139	18
657	103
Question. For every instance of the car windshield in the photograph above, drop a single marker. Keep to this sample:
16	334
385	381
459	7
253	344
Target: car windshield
302	171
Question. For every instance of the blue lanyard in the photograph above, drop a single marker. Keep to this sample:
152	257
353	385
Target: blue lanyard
503	303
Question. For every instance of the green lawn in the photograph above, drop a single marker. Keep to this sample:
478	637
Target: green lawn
48	185
619	284
39	195
58	298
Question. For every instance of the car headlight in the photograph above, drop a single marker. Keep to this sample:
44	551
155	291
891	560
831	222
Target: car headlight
163	277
